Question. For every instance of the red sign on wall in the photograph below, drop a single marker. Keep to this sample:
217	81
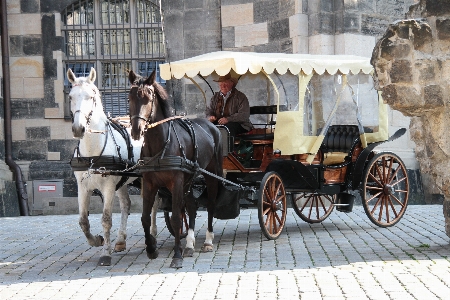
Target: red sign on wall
47	188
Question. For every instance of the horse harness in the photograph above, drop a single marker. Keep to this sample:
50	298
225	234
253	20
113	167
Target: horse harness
94	103
81	163
161	162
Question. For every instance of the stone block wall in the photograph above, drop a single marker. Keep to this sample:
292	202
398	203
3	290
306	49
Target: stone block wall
191	28
263	26
42	142
412	66
302	26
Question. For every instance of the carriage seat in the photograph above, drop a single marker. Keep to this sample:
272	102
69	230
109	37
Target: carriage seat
251	136
338	143
340	138
265	132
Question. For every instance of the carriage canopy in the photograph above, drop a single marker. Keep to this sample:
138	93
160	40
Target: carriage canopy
312	92
222	62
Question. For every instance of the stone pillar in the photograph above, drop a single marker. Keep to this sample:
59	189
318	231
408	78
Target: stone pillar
191	28
412	69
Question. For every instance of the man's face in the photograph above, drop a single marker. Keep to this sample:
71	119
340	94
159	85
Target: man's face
225	86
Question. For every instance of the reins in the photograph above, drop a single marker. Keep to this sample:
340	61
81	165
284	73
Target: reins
163	121
141	87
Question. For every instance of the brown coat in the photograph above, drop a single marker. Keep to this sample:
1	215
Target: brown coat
237	109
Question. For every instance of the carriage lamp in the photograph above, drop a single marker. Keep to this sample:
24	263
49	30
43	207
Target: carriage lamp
277	153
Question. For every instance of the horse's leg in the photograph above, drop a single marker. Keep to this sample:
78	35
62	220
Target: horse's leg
125	203
108	198
191	208
212	189
84	199
153	227
148	198
175	221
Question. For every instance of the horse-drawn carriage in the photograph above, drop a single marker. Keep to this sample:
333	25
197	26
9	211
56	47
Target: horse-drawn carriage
317	121
320	124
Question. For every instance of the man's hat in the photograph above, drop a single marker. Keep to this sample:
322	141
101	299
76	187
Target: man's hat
227	77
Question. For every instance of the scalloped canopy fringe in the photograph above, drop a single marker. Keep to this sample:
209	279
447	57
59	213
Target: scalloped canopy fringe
222	62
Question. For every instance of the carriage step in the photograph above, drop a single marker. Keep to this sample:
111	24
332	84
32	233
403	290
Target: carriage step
344	202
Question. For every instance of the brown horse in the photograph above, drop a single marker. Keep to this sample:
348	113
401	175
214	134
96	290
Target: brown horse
169	144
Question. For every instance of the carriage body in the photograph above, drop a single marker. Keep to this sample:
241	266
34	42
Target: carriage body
314	139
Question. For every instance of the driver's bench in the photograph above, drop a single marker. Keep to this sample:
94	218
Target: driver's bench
260	139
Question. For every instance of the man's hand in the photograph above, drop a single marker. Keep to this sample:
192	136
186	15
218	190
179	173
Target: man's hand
222	121
212	118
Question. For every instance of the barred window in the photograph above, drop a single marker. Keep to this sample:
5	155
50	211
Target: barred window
113	36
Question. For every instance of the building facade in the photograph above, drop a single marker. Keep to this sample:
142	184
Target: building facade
47	37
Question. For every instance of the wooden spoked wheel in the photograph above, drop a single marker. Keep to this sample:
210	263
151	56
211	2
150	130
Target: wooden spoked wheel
385	189
272	205
313	207
184	223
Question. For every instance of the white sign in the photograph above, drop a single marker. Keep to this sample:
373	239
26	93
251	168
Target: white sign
47	188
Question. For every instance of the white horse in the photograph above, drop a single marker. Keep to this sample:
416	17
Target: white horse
101	145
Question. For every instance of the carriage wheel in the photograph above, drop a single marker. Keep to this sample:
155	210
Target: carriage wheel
385	189
272	205
184	223
313	207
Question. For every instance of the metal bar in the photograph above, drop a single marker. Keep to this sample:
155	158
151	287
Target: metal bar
115	173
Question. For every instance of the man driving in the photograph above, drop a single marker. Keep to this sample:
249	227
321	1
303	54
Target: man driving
229	107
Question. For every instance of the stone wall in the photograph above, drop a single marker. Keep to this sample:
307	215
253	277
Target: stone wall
302	26
42	142
412	65
191	28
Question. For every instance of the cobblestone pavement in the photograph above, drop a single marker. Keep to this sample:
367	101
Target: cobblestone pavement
345	257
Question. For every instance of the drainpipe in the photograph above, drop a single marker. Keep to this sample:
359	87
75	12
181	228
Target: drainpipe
20	185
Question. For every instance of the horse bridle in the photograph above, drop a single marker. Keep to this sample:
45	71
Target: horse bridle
148	121
145	91
94	104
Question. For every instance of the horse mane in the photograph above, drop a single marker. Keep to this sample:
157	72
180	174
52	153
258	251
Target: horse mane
163	98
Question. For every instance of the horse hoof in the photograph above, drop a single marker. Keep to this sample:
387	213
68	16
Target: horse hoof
188	252
104	261
176	263
207	247
120	246
152	255
97	241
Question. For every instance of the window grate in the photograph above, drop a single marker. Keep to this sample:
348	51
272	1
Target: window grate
113	36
